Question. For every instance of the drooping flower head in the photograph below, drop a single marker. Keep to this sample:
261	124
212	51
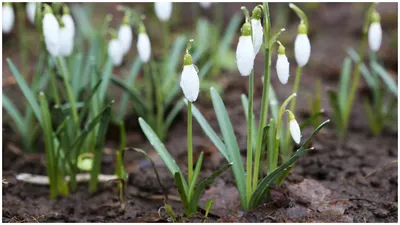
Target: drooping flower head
163	10
143	44
205	5
30	11
115	49
257	29
125	35
245	51
294	128
51	31
190	82
375	32
67	33
282	65
8	17
302	46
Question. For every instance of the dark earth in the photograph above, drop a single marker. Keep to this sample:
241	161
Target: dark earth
354	180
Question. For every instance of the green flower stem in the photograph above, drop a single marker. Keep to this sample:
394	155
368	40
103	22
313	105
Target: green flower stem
265	95
372	60
287	150
53	83
273	163
249	162
189	142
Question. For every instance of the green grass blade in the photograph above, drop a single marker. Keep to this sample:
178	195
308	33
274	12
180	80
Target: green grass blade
232	146
210	132
390	83
195	175
14	114
138	99
76	73
363	68
180	184
33	103
88	100
229	34
106	76
205	69
344	82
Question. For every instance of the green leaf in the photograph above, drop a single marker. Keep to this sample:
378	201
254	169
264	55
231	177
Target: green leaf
174	59
195	175
209	204
77	63
161	150
344	82
33	103
205	69
390	83
210	132
271	178
229	34
170	212
372	119
363	68
172	114
232	146
180	184
106	76
337	115
15	114
245	103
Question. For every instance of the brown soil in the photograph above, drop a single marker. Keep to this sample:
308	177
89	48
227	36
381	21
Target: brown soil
357	177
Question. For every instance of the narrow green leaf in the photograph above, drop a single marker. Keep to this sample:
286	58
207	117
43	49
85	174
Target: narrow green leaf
14	114
174	58
245	103
230	33
363	68
172	114
209	204
180	184
390	83
138	99
372	119
195	175
344	82
337	115
106	76
232	146
205	69
76	73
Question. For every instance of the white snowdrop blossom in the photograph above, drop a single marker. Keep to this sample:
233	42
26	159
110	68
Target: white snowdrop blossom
69	24
8	18
51	32
30	11
375	36
205	5
245	51
66	42
125	37
190	82
294	130
257	29
144	47
115	52
163	10
282	66
302	46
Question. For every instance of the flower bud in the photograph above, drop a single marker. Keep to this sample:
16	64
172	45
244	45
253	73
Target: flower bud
302	46
190	82
257	30
115	52
282	66
8	18
163	10
375	32
125	37
205	5
144	47
294	128
245	51
51	31
30	11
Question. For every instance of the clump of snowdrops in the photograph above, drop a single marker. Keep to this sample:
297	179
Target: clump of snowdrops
381	107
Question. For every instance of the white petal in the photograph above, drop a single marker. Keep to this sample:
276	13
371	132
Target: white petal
144	47
69	24
205	5
163	10
282	68
295	131
30	11
66	42
8	18
375	36
257	34
125	37
245	55
302	49
51	33
115	52
190	83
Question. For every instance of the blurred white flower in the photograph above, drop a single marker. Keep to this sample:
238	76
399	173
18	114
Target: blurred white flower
282	68
66	42
144	47
295	130
375	36
30	11
163	10
8	18
125	37
302	49
51	32
257	34
190	82
245	55
205	5
69	24
115	52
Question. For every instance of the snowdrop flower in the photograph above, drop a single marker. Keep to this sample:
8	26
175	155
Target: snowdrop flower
257	29
30	11
143	44
8	18
115	51
51	31
245	51
125	35
67	33
282	65
68	21
163	10
375	32
302	47
205	5
190	83
294	128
